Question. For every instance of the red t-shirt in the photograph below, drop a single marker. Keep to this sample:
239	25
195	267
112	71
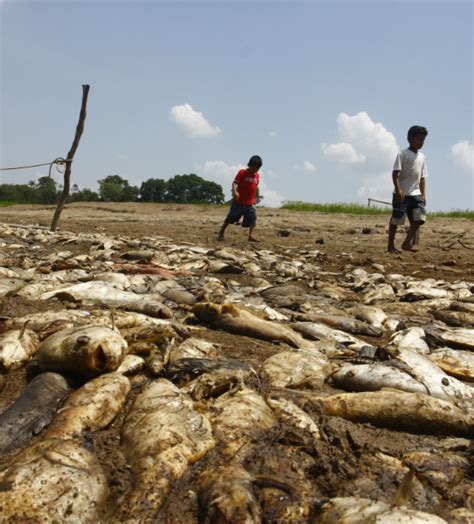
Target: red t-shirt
247	186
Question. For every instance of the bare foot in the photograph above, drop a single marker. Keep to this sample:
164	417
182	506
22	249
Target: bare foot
408	247
221	238
253	239
393	250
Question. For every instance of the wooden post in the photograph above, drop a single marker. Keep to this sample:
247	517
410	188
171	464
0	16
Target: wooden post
70	156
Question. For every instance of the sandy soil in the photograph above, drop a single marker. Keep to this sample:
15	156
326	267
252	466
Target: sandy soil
342	465
343	238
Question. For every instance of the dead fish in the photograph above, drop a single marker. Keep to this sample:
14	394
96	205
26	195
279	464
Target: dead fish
345	323
466	306
17	347
206	378
240	322
411	338
318	331
373	377
436	381
162	436
9	286
381	293
268	312
354	510
91	407
53	481
39	322
153	334
455	318
106	294
239	419
461	516
400	411
296	369
33	411
85	350
461	338
118	280
180	296
131	365
284	290
455	362
290	415
226	495
34	290
371	314
220	267
422	291
442	470
193	348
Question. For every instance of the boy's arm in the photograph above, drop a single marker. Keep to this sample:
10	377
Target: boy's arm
423	188
235	190
396	183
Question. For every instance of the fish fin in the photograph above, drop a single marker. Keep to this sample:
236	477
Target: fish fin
263	481
23	329
405	490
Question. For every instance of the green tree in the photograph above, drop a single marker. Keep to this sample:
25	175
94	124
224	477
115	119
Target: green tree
153	190
193	189
114	188
46	191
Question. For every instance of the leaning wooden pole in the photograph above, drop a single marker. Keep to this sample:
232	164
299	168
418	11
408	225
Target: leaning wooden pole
70	156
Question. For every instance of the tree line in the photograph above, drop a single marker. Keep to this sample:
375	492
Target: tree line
186	189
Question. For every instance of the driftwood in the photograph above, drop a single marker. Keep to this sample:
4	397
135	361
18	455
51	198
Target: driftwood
70	156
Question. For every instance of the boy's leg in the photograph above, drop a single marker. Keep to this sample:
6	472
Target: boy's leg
222	230
408	243
416	216
252	237
397	219
235	212
250	221
392	230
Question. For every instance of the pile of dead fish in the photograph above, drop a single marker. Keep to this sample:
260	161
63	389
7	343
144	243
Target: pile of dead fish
119	335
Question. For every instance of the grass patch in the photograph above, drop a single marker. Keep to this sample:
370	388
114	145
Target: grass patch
358	209
455	213
5	204
338	207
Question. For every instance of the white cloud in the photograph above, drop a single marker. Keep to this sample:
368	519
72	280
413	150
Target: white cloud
306	166
223	173
343	153
368	149
192	122
463	155
273	133
361	137
220	171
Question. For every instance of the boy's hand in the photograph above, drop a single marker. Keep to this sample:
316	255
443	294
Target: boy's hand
236	195
399	194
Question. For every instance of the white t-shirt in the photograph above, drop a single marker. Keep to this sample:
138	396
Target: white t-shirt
412	167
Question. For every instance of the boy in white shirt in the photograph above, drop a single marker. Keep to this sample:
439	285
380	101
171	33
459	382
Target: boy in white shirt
409	196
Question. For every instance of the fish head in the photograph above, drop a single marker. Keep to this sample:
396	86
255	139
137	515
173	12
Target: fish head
105	348
207	312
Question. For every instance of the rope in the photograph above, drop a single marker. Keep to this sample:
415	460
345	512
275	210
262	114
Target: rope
57	162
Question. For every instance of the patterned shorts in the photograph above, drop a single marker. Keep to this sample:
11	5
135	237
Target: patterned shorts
411	206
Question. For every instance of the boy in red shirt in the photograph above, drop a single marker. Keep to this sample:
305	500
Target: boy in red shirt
244	193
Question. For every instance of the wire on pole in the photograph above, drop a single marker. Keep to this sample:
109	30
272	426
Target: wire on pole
58	162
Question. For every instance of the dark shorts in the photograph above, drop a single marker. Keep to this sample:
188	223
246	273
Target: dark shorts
411	206
236	211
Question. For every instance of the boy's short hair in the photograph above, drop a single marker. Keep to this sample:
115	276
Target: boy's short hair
255	161
417	130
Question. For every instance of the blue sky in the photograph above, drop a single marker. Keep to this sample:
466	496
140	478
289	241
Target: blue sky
323	91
